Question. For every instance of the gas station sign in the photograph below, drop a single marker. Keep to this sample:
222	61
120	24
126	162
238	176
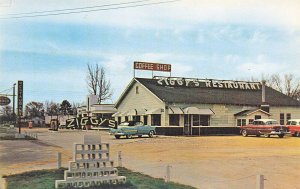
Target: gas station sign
20	98
4	101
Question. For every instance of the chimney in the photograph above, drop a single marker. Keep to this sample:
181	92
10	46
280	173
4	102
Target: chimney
264	106
263	91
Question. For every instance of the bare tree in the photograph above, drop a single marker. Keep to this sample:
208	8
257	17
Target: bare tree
34	109
92	78
287	84
6	110
6	114
98	84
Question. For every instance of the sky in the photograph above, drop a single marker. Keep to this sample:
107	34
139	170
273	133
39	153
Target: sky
216	39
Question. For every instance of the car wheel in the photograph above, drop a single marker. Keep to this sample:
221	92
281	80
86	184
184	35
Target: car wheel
267	136
117	136
128	136
244	133
140	136
297	134
281	135
151	133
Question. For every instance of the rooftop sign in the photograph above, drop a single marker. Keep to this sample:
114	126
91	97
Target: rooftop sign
208	83
152	66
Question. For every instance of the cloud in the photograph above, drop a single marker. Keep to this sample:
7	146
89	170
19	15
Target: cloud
262	65
181	14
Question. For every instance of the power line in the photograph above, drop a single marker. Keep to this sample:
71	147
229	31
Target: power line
6	90
77	8
85	11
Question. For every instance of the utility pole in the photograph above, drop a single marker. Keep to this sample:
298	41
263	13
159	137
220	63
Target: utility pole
14	95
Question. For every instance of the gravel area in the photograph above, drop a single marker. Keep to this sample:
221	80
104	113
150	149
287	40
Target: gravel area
206	162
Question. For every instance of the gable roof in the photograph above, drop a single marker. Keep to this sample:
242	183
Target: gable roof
128	88
203	95
249	112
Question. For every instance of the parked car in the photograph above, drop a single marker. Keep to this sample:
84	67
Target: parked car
266	127
294	127
131	128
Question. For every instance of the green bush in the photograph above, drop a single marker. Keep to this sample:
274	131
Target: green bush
45	179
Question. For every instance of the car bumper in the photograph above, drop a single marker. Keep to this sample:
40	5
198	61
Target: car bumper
276	133
117	133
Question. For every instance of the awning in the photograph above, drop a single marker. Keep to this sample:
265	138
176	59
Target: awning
153	111
195	110
131	112
123	114
140	111
175	110
116	114
134	112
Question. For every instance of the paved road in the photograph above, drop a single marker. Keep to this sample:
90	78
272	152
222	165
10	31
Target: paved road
218	162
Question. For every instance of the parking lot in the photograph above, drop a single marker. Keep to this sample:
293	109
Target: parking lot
218	162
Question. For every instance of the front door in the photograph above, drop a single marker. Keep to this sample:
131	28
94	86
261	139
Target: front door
187	129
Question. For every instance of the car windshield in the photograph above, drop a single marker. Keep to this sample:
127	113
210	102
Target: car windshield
131	123
292	123
271	123
124	124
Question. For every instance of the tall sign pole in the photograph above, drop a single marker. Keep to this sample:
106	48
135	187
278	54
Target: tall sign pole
14	95
20	103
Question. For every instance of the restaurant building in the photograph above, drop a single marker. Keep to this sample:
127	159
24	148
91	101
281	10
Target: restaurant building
190	106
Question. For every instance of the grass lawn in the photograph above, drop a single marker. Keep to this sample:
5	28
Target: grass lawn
45	179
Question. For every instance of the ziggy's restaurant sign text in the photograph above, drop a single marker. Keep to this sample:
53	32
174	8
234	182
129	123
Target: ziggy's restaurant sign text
209	83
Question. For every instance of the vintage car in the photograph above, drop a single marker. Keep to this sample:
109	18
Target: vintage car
131	128
266	127
294	127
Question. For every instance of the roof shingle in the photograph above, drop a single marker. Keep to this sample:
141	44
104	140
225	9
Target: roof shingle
203	95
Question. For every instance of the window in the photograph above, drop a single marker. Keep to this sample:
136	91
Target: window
119	120
126	118
241	122
174	119
251	121
282	119
187	120
196	120
145	119
288	116
257	117
204	120
136	118
156	119
137	90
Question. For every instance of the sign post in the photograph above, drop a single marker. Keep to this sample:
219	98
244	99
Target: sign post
20	103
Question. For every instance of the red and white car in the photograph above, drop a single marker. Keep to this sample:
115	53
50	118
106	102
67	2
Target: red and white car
294	127
266	127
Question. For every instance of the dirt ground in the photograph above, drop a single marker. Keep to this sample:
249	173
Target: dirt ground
206	162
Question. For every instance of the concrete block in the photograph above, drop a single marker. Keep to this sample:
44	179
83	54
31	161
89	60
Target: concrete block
91	166
17	135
